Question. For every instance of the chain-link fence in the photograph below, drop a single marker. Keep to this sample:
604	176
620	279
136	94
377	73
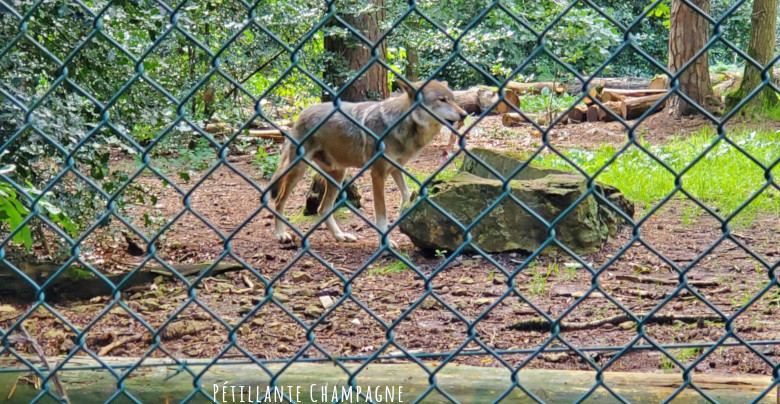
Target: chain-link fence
124	130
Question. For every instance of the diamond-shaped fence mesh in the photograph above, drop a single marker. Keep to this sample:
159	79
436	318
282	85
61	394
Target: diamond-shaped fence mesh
139	259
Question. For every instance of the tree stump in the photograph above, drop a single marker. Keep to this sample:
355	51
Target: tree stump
317	190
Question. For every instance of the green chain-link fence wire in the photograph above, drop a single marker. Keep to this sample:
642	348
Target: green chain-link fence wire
122	372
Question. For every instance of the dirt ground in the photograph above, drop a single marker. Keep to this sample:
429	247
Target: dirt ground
635	279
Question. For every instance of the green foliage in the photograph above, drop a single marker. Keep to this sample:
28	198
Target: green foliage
710	180
266	162
12	214
539	103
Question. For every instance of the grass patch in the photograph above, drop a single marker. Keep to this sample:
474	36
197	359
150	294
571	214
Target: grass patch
723	179
448	172
395	267
340	214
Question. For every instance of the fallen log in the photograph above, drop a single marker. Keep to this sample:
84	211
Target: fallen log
633	108
541	323
535	88
616	94
579	113
272	134
514	119
476	100
618	82
76	283
162	380
605	116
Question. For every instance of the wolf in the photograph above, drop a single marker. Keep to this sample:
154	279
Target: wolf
339	144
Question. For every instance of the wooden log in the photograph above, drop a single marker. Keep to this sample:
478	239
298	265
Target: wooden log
77	283
535	88
659	82
273	134
633	108
605	116
615	94
163	381
593	94
515	119
614	82
579	113
593	113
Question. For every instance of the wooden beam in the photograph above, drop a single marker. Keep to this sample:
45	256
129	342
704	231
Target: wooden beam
467	384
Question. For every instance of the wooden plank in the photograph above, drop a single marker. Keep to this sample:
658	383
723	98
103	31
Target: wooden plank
467	384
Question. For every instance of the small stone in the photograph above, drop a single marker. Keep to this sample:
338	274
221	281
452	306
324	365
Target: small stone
578	294
282	348
356	322
626	325
459	292
67	345
555	357
466	281
483	301
429	303
300	276
608	326
445	289
281	297
313	311
258	322
326	301
499	280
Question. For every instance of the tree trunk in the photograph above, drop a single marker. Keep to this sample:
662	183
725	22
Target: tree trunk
687	35
763	23
372	84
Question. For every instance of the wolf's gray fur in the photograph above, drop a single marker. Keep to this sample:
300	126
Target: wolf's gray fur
339	144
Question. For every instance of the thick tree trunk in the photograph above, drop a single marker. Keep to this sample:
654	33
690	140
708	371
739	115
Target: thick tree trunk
763	23
373	83
687	36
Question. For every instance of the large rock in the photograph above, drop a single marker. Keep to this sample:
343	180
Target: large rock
508	226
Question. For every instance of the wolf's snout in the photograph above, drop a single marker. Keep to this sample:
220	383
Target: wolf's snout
463	115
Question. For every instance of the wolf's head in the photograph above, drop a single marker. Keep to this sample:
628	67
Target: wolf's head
438	98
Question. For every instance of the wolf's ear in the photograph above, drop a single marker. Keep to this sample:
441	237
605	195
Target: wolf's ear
445	83
409	90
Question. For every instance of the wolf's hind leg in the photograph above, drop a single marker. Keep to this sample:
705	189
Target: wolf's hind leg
285	186
331	191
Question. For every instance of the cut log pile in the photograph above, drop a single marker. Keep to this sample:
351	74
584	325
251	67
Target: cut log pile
625	103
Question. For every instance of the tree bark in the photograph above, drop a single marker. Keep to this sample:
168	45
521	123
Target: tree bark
687	36
355	54
763	23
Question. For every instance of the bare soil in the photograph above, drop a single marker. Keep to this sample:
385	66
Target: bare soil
473	287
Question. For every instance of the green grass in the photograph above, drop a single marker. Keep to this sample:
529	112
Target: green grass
448	172
395	267
723	179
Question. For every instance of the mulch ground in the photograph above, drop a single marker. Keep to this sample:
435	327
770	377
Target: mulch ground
472	286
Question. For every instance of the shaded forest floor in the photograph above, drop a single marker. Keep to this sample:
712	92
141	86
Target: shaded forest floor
639	280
